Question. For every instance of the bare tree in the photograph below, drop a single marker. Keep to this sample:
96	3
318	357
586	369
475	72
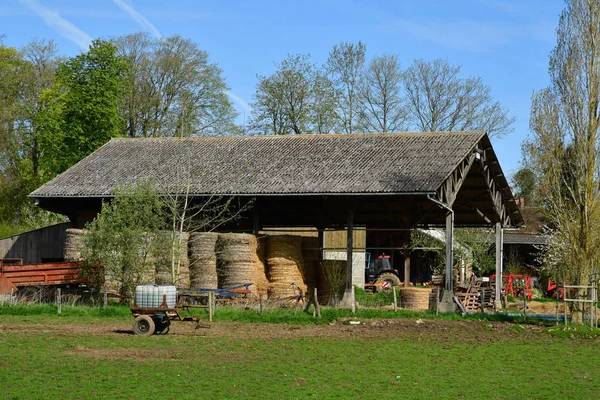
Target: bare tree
379	93
345	64
440	100
563	151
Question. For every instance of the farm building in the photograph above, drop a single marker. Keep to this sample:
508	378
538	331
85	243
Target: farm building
376	186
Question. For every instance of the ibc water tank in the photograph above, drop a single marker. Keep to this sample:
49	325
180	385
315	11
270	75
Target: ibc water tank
151	296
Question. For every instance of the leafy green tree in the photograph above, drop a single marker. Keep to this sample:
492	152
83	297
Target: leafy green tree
126	236
173	89
83	107
345	66
563	150
297	98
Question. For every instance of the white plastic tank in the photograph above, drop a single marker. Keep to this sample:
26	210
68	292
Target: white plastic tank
151	296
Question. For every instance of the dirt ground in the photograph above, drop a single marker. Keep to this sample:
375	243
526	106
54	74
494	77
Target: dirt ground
431	330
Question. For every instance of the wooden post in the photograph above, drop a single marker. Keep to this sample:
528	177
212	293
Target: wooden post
482	301
317	306
10	300
524	301
499	251
59	300
349	249
260	304
395	301
450	252
255	221
564	301
105	299
211	305
407	270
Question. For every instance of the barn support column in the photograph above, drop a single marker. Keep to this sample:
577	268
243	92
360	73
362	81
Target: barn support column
348	299
499	257
447	302
407	269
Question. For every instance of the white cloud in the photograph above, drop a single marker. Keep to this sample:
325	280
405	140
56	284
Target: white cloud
54	20
245	106
472	35
139	18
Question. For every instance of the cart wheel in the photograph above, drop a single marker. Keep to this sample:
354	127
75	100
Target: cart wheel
143	325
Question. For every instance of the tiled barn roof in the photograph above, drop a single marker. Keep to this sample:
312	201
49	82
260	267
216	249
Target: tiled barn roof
268	165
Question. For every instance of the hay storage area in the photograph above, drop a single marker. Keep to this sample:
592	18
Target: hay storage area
285	265
311	253
414	298
203	260
73	243
238	262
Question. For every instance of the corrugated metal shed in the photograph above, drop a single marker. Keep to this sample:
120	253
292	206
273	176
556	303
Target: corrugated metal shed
266	165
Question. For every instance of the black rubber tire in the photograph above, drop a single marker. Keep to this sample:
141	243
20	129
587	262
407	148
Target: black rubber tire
143	325
162	327
388	277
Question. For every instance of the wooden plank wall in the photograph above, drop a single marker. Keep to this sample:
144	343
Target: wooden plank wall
334	239
36	246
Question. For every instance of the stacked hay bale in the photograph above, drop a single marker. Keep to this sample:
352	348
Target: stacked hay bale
414	298
238	262
203	260
311	253
73	243
285	265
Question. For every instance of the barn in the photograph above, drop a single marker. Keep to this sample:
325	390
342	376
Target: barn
383	185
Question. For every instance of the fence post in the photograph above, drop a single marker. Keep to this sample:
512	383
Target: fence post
105	299
317	305
59	300
260	303
395	299
10	299
211	306
353	301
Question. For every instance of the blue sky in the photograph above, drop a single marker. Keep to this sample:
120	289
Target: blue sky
506	42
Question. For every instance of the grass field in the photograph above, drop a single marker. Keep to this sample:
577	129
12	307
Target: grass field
93	354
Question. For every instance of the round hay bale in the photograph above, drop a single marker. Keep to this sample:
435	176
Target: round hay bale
73	243
285	265
203	260
414	298
238	262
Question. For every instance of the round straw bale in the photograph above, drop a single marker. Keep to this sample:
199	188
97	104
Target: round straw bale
203	260
238	262
285	265
414	298
73	243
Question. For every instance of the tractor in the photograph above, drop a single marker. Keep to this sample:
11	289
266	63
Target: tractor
380	274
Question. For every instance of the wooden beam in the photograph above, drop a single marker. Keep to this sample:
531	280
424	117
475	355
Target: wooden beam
449	252
499	253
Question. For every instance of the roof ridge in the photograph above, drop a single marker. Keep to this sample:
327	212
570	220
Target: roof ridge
303	136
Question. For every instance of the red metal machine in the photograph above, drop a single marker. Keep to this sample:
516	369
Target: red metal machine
516	285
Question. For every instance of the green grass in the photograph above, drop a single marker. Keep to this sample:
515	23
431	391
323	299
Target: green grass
68	312
404	365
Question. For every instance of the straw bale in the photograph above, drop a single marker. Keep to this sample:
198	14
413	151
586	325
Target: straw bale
73	243
203	260
414	298
238	262
285	265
